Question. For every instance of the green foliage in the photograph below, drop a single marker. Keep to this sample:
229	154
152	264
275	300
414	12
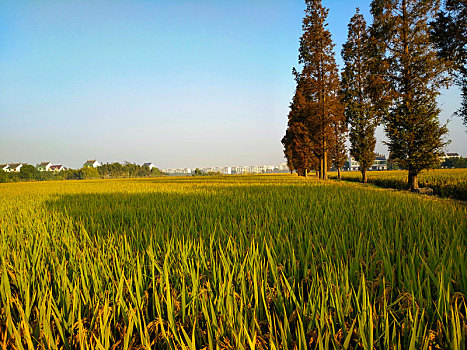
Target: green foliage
114	170
457	162
361	91
71	174
392	165
156	172
269	262
49	175
126	170
28	172
415	74
338	151
3	176
449	32
197	172
87	173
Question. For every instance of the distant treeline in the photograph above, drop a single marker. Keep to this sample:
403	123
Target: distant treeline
105	171
198	172
454	163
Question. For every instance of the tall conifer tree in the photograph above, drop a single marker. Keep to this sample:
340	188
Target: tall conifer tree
319	86
450	34
299	148
362	92
415	74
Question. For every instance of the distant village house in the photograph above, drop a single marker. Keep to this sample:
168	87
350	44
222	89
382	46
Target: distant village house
91	163
57	168
149	165
48	166
448	156
12	167
44	166
15	167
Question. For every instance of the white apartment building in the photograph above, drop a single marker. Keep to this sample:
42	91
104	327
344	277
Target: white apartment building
227	170
380	163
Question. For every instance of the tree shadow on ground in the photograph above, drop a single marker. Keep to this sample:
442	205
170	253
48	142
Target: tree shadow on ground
455	190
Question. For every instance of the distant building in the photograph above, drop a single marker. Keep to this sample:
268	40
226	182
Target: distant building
452	155
227	170
283	168
351	164
15	167
91	163
57	168
44	166
249	169
178	171
448	155
149	165
260	169
380	163
4	167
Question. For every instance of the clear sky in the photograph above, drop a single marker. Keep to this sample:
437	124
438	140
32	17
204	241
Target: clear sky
179	83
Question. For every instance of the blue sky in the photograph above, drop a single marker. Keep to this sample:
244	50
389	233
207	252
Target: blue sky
178	83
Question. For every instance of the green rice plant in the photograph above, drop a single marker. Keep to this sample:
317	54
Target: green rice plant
241	262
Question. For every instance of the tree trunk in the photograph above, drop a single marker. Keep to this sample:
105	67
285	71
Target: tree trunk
306	173
321	168
413	181
364	179
339	177
325	163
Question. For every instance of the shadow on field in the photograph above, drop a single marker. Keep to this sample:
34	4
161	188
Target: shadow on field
456	190
384	183
224	209
194	211
219	209
157	212
245	180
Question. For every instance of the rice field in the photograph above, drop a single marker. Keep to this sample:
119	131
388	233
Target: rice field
450	183
233	262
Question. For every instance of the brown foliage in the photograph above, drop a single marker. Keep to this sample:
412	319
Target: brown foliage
316	108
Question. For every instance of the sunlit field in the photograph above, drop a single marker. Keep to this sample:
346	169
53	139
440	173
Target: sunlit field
231	262
450	183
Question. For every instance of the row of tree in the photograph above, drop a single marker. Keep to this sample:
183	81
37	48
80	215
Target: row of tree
117	170
392	75
106	171
454	163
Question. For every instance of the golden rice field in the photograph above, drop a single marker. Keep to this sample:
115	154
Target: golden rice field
233	262
450	183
